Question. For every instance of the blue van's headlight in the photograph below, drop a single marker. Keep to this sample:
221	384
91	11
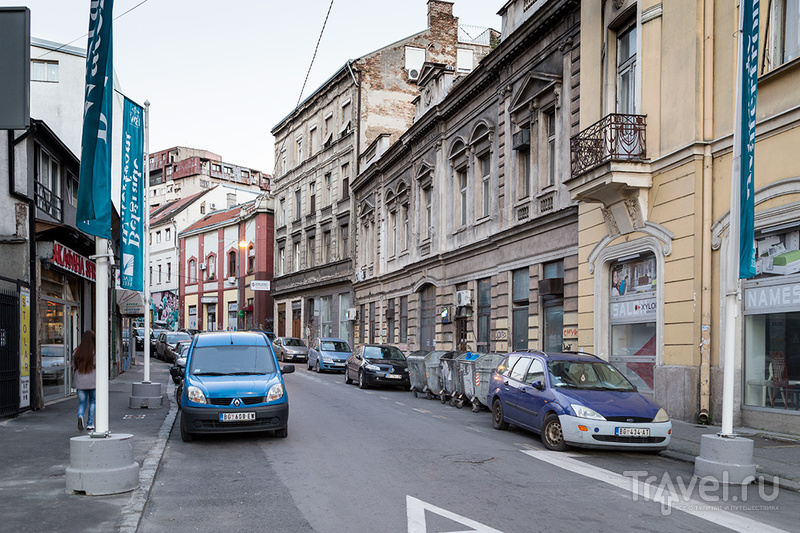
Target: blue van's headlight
195	394
275	393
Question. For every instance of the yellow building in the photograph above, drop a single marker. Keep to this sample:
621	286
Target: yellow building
652	168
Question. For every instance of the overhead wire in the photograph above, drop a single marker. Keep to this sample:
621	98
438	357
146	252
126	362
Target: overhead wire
86	34
308	72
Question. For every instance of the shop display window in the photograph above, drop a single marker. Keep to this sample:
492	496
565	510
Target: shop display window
772	322
633	315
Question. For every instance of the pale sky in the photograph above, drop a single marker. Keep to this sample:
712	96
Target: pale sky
220	74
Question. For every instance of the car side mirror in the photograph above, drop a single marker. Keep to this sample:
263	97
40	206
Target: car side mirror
538	385
287	369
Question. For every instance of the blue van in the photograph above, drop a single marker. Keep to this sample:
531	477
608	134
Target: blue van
232	384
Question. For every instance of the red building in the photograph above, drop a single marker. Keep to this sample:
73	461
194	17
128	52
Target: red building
226	268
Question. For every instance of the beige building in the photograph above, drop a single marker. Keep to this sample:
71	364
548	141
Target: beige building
651	169
319	148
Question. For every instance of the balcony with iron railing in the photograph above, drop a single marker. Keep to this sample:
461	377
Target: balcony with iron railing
616	137
609	166
48	201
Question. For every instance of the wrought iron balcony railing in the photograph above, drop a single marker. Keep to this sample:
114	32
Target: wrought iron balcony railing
615	137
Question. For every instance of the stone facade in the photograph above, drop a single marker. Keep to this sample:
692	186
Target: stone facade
466	236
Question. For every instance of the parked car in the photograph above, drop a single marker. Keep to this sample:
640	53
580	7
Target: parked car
328	353
172	353
233	383
138	337
375	365
575	399
178	369
290	349
270	335
190	331
154	333
166	342
53	363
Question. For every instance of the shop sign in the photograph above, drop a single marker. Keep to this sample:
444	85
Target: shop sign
772	298
638	308
24	346
233	306
72	261
259	285
208	299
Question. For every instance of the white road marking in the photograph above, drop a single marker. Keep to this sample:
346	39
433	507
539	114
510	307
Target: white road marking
422	411
667	497
400	403
385	398
415	511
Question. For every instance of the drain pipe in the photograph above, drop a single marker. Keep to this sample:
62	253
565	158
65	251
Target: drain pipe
708	133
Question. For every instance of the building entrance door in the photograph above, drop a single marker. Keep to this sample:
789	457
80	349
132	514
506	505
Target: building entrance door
427	329
297	329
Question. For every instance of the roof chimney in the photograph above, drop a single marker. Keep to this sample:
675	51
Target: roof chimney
438	9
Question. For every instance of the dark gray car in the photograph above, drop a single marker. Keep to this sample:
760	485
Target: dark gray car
290	349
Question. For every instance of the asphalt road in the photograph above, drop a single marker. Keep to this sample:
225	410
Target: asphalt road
384	461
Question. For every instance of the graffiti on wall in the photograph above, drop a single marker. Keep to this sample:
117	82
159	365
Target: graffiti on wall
164	309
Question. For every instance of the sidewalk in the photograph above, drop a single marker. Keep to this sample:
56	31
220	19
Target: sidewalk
775	454
35	455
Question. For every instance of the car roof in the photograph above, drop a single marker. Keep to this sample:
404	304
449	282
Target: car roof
331	339
561	356
242	338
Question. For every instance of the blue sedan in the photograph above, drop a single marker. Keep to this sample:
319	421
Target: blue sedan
328	353
575	399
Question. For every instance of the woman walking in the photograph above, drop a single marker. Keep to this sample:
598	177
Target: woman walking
83	365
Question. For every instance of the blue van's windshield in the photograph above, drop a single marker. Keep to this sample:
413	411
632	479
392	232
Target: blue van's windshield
231	360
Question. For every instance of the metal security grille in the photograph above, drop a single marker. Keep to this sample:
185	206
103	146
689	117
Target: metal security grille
9	354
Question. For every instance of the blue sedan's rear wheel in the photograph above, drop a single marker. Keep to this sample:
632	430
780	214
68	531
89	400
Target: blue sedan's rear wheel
552	435
498	420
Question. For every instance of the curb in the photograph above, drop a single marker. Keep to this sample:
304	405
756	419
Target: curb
132	513
769	478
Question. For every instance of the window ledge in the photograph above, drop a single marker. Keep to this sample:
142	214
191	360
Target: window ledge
779	71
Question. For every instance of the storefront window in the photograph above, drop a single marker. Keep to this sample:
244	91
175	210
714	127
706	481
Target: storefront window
772	322
633	312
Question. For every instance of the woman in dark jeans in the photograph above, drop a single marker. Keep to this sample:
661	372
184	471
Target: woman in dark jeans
83	366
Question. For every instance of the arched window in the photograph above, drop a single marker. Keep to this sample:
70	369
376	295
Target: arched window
192	271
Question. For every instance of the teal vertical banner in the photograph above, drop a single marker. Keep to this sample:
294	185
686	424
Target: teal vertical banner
94	189
132	201
749	85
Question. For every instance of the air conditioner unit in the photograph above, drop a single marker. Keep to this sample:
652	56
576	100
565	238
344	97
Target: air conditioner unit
232	280
463	298
521	140
552	287
213	206
389	313
361	275
413	74
352	314
202	266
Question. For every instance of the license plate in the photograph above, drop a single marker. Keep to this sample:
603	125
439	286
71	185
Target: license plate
393	376
633	432
338	364
237	417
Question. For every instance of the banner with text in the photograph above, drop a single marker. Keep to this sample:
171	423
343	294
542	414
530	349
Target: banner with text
132	206
747	136
94	189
